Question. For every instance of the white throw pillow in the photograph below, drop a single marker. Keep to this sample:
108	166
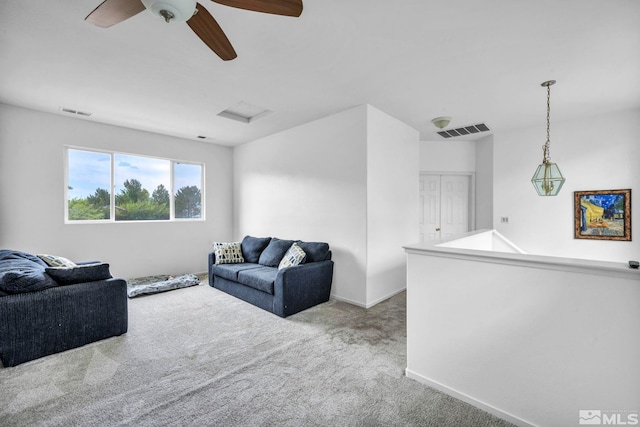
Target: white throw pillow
228	253
294	256
57	261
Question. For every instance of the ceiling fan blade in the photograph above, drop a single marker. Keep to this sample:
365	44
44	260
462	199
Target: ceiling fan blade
277	7
111	12
203	24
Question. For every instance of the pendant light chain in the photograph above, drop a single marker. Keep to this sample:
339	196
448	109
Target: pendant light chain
546	144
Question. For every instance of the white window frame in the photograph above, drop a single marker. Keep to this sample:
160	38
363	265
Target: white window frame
112	195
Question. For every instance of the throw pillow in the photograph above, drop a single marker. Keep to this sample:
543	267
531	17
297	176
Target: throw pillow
252	247
22	272
273	253
79	274
56	261
228	253
294	256
316	251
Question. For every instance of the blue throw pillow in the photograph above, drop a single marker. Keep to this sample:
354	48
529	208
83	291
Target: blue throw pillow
22	272
79	274
252	248
274	252
25	280
316	251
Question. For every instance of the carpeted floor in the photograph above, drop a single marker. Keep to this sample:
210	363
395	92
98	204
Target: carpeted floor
199	357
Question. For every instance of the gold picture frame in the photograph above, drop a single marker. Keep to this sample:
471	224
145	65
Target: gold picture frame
603	214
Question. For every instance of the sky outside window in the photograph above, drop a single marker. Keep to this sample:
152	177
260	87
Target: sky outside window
186	175
88	171
148	171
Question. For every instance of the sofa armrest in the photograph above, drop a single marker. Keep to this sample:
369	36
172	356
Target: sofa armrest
302	286
36	324
210	263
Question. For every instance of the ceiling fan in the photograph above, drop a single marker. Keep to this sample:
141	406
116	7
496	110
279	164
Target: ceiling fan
111	12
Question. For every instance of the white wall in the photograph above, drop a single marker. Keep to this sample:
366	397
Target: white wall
598	153
310	183
32	196
392	202
347	179
530	339
484	182
447	156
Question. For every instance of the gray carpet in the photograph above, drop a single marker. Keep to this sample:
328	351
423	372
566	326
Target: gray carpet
199	357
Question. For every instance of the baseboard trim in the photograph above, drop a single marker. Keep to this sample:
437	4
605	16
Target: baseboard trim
468	399
386	297
363	305
348	301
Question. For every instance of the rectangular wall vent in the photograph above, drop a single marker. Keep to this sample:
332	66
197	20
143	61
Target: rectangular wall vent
76	112
464	130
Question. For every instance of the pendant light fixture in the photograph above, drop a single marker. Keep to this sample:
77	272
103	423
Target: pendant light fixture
548	179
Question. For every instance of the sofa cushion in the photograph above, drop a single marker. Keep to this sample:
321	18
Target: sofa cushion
273	253
252	247
230	271
22	272
79	274
56	261
293	257
261	278
228	253
316	251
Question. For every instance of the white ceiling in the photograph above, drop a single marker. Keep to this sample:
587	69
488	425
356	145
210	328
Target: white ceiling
477	61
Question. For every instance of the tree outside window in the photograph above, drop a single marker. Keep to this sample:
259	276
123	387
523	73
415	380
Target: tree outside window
188	197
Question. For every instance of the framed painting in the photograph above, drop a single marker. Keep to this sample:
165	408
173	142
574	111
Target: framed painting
603	214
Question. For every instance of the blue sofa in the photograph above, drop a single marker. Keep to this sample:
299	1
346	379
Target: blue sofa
46	310
259	277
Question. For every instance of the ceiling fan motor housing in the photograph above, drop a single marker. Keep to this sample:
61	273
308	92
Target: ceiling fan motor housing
171	10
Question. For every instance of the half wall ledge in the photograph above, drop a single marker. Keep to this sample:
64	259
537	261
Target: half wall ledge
491	246
531	339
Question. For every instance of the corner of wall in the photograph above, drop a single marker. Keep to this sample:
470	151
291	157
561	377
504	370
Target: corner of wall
484	182
392	202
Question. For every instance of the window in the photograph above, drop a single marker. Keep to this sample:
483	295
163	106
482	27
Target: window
188	200
89	185
141	188
110	187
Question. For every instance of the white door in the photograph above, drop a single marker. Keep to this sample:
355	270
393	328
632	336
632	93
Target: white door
444	206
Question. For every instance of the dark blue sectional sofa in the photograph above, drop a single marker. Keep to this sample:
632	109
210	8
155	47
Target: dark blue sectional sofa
46	310
256	277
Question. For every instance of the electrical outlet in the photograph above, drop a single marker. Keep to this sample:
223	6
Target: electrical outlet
504	219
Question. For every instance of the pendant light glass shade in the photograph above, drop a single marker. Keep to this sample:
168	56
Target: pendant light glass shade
548	179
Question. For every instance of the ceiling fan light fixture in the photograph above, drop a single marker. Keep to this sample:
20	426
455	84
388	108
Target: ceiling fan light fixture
172	10
111	12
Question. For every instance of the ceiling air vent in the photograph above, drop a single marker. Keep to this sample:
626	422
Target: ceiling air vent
244	112
464	131
76	112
